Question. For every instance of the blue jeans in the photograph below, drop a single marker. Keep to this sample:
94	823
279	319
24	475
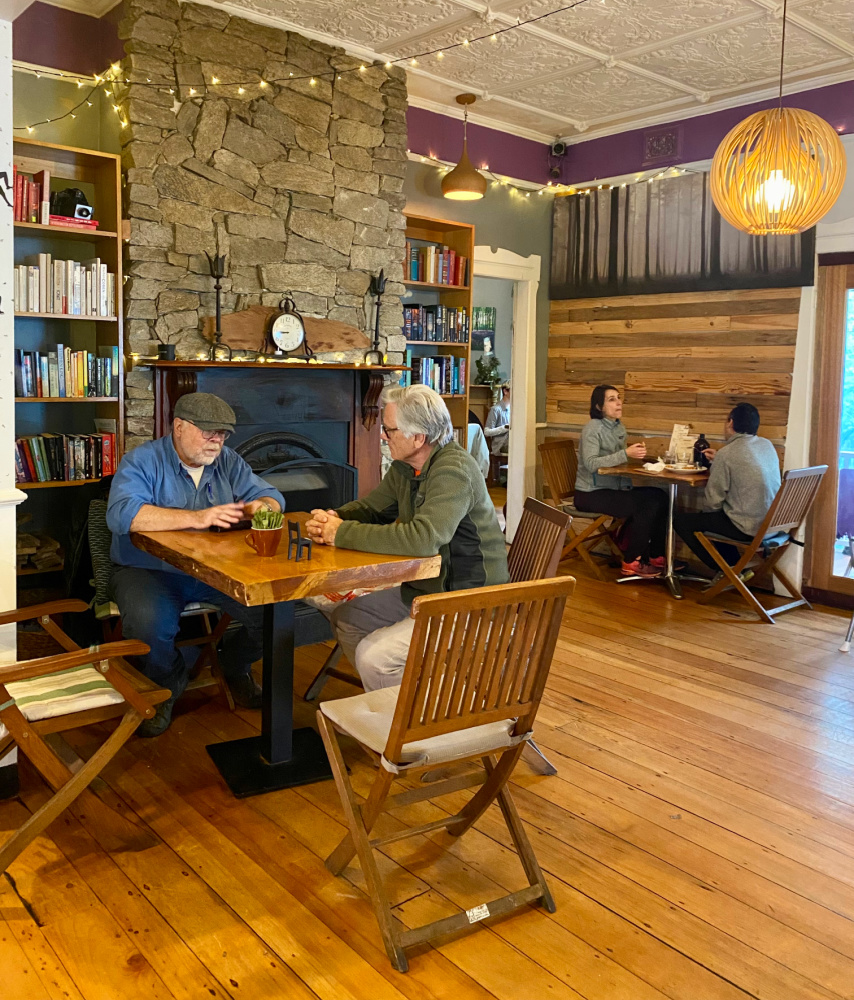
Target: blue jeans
151	602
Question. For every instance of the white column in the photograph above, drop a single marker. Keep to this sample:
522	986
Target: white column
10	497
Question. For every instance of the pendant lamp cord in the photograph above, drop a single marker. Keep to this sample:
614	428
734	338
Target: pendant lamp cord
783	51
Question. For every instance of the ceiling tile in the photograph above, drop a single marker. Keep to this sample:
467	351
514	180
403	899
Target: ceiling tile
615	25
513	57
596	94
370	23
835	16
735	57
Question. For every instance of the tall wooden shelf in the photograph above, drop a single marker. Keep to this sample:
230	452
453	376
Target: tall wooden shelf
459	237
99	176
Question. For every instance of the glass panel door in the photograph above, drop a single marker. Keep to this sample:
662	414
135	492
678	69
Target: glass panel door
843	554
829	562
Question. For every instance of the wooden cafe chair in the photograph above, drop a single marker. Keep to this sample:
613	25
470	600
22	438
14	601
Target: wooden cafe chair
53	694
786	514
560	469
534	553
471	688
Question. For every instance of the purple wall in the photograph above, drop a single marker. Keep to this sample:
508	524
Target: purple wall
431	134
63	39
611	155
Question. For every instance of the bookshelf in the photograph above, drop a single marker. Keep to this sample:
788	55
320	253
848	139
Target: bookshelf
98	175
458	237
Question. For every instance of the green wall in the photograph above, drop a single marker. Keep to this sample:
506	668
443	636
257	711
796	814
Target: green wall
501	220
36	98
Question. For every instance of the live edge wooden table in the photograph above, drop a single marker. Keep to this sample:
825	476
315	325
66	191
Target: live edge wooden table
644	477
280	757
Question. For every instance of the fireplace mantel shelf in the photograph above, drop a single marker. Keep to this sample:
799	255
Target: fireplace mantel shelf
197	363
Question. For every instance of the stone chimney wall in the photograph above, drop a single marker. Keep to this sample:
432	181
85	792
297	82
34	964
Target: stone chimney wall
298	183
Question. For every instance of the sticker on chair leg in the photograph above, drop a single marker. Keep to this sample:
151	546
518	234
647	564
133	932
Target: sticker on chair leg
477	913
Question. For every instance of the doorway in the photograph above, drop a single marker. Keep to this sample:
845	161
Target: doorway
491	364
524	274
833	524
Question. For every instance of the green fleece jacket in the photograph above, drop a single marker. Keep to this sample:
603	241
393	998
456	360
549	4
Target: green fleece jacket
445	510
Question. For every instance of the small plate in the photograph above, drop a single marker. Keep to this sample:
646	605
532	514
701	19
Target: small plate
687	469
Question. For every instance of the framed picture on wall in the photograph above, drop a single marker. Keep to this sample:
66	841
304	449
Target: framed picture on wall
483	320
482	341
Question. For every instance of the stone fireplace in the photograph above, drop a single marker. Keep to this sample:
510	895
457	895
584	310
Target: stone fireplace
298	183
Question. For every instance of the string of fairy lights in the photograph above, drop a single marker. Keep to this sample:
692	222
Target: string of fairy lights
114	82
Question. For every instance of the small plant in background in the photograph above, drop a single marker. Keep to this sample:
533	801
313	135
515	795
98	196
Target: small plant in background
267	519
487	370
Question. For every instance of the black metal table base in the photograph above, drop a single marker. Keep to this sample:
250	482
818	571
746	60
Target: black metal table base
246	773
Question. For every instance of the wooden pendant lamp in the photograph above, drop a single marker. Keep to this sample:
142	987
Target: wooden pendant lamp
779	171
464	182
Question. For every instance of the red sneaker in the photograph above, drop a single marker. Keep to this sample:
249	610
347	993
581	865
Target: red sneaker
638	568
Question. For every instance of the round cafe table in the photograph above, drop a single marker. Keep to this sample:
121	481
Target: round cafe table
643	477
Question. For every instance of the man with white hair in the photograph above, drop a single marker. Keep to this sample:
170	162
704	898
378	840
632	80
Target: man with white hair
433	500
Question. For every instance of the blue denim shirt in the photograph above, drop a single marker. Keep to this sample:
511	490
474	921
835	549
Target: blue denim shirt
153	474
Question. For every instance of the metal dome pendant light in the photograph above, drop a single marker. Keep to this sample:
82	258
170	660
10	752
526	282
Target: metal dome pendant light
464	182
779	171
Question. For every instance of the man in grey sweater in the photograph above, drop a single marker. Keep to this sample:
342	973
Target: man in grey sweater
744	480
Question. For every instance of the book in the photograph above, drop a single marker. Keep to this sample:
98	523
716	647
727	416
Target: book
70	223
42	179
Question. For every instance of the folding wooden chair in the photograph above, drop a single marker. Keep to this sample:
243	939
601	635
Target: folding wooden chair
534	554
471	688
53	694
786	514
560	469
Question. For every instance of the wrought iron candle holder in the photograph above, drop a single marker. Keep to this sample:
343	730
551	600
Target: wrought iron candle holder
377	289
218	351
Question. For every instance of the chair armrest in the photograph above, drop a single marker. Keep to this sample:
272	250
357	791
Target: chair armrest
37	610
25	669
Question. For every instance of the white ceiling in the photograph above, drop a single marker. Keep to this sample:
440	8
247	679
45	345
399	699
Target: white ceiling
603	67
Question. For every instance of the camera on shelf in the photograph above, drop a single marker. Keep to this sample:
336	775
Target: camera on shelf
82	211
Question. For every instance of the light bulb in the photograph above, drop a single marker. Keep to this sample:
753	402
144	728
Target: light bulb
241	90
440	55
777	192
361	69
262	84
312	82
214	79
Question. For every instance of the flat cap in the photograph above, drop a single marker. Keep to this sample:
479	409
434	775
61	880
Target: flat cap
206	411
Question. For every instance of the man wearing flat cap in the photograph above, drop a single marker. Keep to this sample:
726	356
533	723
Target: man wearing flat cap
185	480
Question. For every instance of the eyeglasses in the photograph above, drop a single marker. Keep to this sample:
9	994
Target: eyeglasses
388	431
212	435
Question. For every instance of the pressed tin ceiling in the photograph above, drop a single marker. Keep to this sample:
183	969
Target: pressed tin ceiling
605	66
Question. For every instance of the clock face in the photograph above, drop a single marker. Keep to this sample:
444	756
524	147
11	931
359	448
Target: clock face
288	332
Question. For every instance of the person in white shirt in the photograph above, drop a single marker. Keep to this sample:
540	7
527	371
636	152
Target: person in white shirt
497	429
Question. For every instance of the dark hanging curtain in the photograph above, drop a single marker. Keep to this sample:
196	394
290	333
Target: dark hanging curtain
666	236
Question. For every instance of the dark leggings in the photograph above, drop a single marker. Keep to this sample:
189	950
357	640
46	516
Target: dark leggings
644	510
718	523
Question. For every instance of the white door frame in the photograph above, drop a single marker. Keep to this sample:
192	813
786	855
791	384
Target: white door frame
525	272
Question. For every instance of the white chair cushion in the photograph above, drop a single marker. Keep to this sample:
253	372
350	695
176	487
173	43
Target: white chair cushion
367	718
69	691
111	610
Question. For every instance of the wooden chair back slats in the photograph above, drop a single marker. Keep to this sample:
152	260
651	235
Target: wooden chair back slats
477	656
538	542
794	498
560	467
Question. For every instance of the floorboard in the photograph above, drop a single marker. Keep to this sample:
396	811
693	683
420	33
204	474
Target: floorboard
699	840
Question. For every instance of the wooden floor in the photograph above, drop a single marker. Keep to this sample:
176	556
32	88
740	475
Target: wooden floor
699	839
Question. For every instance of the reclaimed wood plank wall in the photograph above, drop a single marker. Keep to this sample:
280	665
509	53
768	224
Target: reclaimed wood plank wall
678	358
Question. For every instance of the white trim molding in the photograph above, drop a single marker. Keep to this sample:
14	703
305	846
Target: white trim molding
522	463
